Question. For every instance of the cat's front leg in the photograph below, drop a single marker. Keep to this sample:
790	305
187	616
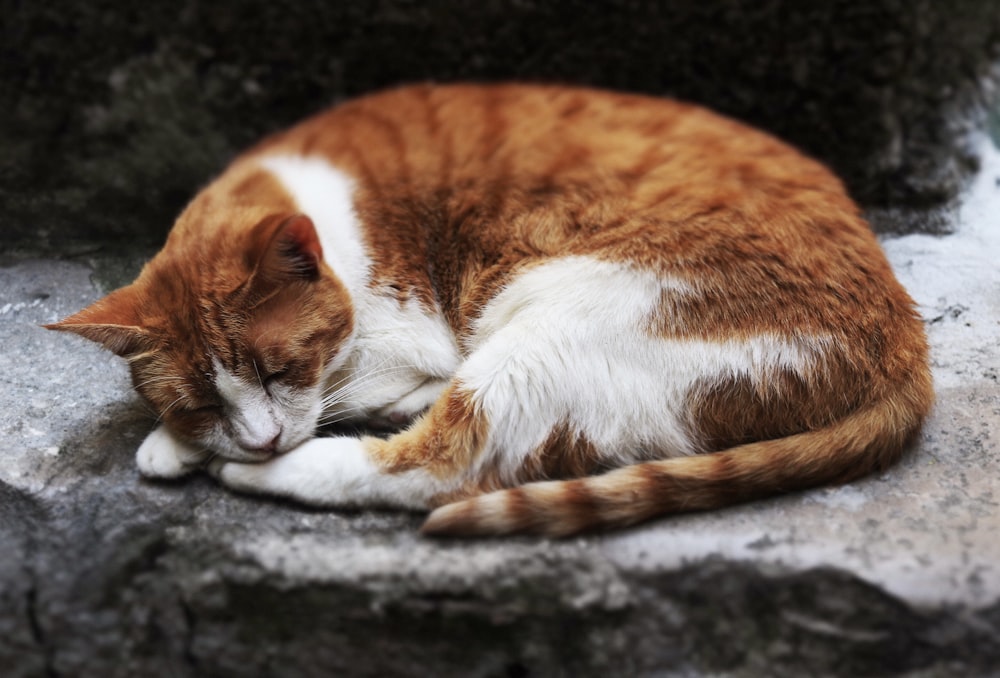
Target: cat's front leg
164	455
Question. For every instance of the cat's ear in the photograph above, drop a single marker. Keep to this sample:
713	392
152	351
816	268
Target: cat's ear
112	322
288	246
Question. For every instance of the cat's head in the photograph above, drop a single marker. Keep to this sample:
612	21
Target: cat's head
231	338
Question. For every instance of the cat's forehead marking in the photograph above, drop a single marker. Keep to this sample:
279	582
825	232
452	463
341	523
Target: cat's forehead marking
231	388
251	418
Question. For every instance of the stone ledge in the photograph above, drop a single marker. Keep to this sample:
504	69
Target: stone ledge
105	574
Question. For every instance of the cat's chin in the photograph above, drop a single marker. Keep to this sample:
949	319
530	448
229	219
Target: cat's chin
250	456
228	450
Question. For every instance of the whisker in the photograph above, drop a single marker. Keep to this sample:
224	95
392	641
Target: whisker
160	379
343	416
346	390
339	415
146	406
385	363
344	394
340	381
169	407
352	408
334	412
378	369
355	382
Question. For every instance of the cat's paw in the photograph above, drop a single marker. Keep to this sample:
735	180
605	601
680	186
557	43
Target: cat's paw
414	403
162	455
319	472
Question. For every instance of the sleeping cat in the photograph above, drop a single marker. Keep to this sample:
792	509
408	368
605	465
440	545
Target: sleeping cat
580	309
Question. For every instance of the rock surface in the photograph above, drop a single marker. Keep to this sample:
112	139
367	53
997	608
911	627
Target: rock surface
103	573
114	115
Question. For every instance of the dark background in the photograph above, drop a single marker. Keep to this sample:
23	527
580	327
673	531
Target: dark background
114	113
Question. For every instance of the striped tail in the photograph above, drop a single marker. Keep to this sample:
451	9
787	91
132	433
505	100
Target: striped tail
867	440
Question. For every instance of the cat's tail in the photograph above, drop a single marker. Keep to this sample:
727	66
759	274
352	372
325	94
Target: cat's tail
866	440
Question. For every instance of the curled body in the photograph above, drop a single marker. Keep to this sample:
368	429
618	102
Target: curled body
572	309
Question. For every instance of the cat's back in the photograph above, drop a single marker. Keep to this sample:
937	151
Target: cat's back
538	137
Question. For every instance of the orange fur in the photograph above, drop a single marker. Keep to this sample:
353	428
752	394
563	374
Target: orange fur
462	188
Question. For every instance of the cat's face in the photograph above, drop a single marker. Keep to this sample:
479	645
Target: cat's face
232	346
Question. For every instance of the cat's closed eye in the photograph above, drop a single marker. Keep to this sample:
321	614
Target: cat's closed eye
275	376
206	409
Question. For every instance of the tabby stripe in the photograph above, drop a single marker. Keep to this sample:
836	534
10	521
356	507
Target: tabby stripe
392	135
432	108
368	181
583	506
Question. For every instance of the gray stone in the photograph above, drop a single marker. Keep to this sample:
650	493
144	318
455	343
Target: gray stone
103	573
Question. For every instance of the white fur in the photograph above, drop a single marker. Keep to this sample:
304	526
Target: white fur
255	420
398	350
162	455
569	343
414	402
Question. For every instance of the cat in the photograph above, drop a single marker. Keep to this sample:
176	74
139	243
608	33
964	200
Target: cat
578	310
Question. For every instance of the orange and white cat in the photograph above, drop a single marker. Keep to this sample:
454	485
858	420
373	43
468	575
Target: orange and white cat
583	309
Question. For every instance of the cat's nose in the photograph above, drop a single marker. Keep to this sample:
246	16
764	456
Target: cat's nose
270	447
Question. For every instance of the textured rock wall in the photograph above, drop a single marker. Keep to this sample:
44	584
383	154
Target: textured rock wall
116	112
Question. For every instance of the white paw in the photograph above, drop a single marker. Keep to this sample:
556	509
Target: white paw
404	410
162	455
318	472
